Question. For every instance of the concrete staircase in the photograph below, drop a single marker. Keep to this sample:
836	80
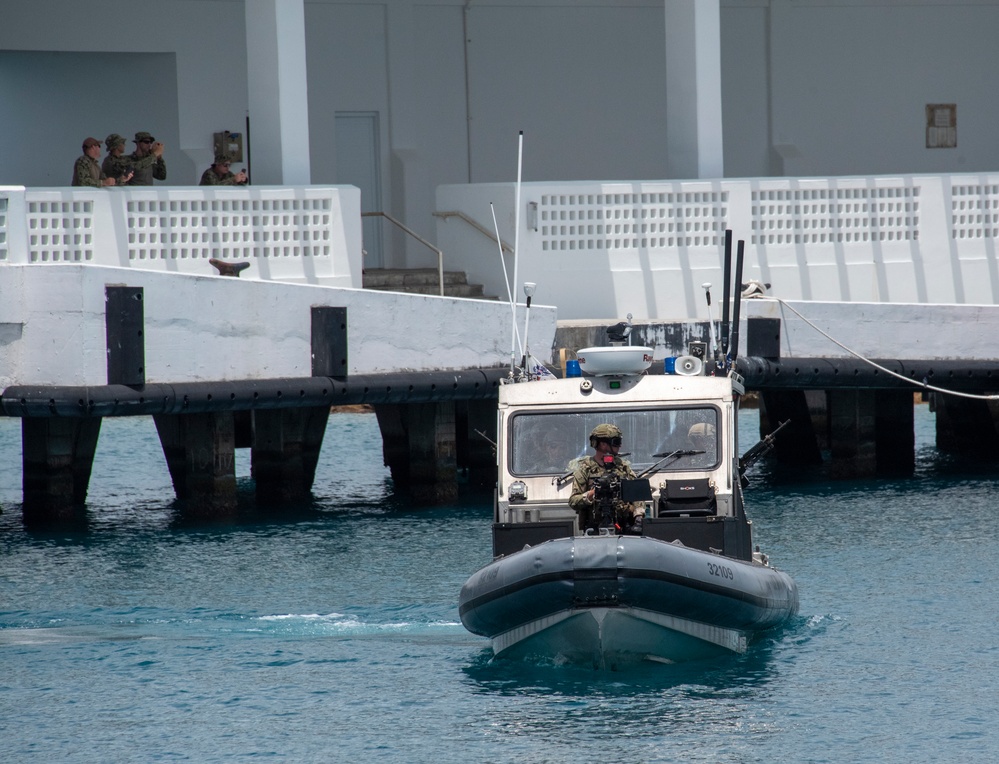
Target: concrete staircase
421	281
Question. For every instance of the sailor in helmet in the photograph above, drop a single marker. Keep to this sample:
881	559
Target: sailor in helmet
605	439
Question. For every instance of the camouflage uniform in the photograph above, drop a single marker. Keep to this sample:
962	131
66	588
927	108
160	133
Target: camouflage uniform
211	178
116	167
145	168
86	172
588	511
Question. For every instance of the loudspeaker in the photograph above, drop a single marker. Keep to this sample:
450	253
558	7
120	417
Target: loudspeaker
689	366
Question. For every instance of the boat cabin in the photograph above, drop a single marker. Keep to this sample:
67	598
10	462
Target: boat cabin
679	435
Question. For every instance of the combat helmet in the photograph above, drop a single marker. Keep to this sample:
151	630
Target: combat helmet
603	432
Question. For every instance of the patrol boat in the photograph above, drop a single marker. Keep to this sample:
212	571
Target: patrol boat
689	586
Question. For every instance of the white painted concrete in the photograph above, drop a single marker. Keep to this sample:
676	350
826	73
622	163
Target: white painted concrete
606	249
204	328
306	234
279	98
826	88
912	332
693	89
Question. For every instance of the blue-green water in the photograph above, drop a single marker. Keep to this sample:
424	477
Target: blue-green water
332	634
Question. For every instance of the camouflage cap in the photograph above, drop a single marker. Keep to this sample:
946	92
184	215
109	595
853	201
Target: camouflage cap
114	140
223	159
140	137
604	431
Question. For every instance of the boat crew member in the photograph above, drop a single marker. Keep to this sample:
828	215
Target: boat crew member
605	439
701	438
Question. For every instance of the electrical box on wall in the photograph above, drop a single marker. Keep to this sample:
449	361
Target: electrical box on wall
941	125
229	143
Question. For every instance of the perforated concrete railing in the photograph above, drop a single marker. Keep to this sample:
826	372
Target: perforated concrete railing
974	211
307	234
655	220
642	244
835	215
229	229
60	230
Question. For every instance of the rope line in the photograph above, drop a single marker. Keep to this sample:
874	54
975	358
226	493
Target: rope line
922	385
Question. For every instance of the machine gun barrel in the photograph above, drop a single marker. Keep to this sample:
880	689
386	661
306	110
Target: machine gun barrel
765	444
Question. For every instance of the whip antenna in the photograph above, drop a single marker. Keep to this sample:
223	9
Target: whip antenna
515	339
516	235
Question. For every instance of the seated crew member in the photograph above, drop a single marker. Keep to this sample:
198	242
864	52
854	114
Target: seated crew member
701	437
605	439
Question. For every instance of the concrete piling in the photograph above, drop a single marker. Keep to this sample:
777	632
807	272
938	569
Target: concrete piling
57	457
285	451
200	454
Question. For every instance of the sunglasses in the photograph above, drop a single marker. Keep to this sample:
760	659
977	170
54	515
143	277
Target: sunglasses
612	441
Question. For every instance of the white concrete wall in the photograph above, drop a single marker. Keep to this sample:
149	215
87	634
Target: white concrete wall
308	234
603	250
202	328
838	87
913	332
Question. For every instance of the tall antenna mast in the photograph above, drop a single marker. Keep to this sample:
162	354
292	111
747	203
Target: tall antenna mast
516	240
726	292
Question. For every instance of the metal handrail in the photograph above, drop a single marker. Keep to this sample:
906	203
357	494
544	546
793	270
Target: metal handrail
476	225
415	235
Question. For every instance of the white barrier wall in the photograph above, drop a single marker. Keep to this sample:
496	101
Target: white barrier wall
958	332
603	250
208	328
308	234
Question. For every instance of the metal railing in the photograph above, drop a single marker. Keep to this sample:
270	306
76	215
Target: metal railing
476	225
411	232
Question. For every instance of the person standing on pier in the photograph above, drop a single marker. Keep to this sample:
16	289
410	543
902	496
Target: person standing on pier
86	171
116	165
147	161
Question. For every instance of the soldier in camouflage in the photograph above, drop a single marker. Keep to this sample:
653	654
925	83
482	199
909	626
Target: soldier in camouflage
147	161
115	164
87	171
605	439
220	175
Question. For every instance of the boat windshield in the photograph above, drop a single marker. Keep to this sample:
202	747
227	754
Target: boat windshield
551	443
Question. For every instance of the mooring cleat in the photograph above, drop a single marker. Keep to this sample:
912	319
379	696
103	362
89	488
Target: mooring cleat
228	269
